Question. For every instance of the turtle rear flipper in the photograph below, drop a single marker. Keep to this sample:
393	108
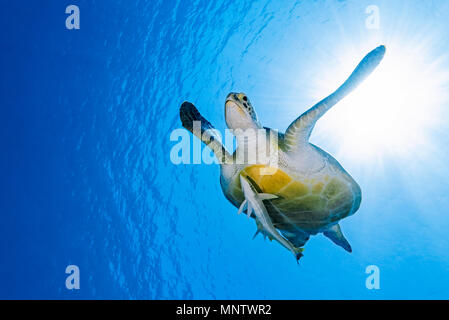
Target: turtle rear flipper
193	121
336	236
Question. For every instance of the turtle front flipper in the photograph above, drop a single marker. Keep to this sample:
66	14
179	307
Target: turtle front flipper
193	121
298	132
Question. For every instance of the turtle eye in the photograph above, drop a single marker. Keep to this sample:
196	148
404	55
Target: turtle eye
245	98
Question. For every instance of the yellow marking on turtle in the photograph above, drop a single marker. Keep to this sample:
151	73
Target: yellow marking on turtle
317	188
310	195
294	190
268	183
282	184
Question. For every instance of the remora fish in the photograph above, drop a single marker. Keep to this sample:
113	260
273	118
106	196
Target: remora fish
254	203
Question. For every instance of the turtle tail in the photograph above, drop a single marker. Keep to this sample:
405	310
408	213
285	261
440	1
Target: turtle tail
193	121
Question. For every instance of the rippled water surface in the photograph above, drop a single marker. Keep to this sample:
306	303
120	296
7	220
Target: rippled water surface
86	171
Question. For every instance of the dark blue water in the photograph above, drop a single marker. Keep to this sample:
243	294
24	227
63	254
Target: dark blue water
86	176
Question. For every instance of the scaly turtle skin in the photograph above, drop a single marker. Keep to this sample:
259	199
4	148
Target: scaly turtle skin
314	191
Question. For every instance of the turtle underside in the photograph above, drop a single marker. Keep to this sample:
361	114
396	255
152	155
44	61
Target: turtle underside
305	205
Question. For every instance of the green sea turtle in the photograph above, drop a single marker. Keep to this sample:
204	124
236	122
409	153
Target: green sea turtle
312	192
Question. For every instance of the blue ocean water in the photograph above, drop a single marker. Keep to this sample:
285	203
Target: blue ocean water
86	173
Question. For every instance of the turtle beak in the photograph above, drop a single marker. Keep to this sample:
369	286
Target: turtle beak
232	97
233	105
237	115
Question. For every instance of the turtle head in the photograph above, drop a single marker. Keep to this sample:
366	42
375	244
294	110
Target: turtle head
239	113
